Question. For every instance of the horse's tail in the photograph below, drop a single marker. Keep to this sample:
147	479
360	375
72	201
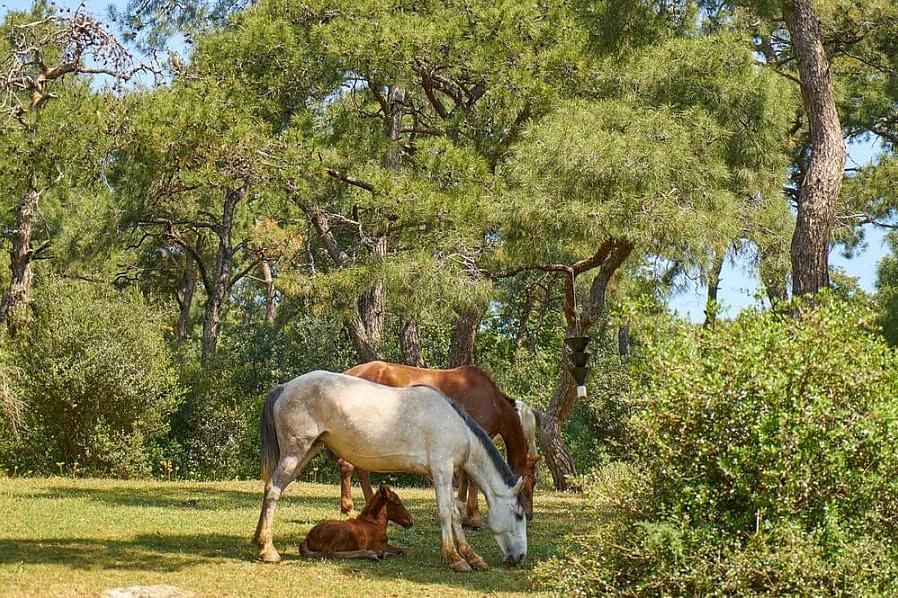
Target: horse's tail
271	449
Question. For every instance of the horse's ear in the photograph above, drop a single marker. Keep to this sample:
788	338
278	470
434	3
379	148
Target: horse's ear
517	487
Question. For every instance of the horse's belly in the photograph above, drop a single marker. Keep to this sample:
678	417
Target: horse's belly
377	456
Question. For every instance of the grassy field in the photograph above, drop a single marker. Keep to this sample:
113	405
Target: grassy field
64	537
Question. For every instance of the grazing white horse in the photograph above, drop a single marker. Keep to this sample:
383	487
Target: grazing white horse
379	428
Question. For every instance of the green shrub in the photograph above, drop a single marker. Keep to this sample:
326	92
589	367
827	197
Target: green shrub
766	454
97	379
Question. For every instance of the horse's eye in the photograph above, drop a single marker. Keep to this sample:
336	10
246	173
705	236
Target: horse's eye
518	516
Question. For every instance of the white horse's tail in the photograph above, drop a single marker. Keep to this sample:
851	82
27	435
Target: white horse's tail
271	449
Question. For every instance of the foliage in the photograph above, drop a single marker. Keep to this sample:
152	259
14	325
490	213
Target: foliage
887	292
99	381
765	464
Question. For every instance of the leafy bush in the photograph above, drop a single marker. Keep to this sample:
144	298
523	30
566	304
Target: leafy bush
217	426
766	462
97	379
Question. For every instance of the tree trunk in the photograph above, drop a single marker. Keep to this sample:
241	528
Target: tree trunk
221	282
823	178
711	305
372	305
393	127
558	457
268	281
526	310
410	343
464	335
557	454
186	300
18	296
623	340
541	320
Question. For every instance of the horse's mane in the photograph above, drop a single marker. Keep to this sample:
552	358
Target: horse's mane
507	476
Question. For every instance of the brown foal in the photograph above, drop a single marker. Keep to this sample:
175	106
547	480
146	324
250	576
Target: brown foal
362	537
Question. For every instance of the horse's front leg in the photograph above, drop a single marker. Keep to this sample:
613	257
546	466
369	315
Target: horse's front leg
473	559
346	469
448	513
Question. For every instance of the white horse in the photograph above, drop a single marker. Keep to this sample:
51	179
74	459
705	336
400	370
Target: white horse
380	428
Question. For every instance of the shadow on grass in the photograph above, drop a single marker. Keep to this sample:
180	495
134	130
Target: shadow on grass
150	552
194	497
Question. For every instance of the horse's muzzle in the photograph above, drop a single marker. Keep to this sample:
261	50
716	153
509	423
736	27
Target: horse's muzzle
515	559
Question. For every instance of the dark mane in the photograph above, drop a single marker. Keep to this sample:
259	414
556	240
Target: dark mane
507	476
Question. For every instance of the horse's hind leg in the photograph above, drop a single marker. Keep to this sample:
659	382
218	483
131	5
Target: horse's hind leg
472	509
288	468
365	483
346	469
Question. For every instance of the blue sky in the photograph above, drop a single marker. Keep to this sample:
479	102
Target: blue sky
739	285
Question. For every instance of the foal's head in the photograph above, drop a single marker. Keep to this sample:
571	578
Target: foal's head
385	498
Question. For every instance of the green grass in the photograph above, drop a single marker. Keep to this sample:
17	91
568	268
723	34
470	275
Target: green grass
64	537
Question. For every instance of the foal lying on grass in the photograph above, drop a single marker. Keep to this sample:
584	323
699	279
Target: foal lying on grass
362	537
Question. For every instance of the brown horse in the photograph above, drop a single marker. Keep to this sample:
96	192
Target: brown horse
362	537
473	389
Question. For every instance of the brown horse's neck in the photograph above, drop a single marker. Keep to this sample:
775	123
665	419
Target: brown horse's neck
376	510
512	433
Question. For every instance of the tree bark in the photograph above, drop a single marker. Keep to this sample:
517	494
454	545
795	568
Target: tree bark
556	452
186	299
464	336
823	177
711	306
221	282
410	344
372	305
268	281
15	308
623	340
526	310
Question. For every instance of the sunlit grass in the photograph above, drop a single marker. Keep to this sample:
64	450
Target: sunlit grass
61	536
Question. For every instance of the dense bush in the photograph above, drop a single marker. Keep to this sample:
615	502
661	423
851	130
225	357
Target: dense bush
216	430
766	461
97	381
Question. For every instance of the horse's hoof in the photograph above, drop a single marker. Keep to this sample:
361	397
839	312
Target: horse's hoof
270	555
474	525
477	563
460	566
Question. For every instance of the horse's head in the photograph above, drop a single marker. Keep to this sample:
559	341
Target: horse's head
508	524
396	511
528	475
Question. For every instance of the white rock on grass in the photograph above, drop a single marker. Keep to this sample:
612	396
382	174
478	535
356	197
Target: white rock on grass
157	591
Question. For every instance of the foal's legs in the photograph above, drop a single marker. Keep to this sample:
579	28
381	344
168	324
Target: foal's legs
288	468
449	515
